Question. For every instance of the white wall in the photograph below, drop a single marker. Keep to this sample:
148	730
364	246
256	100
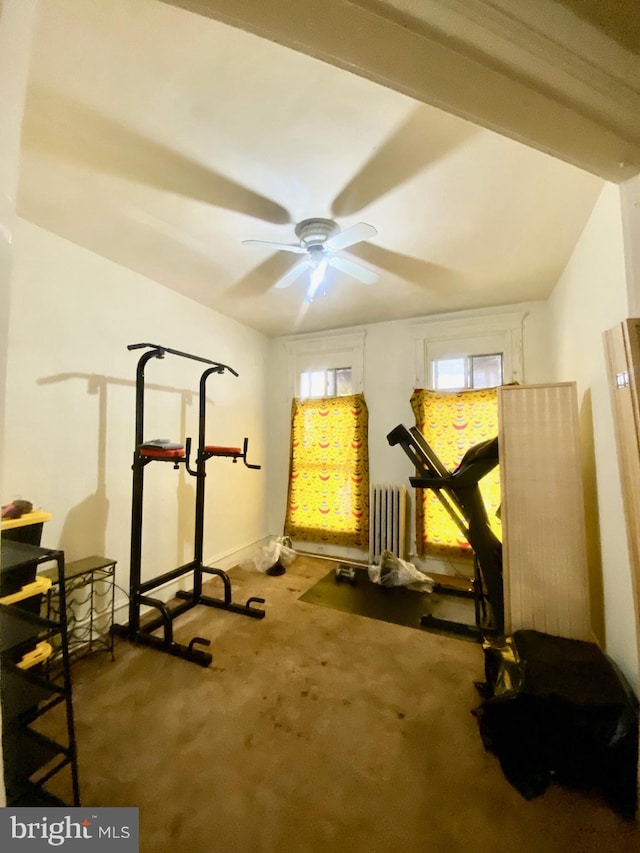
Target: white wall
389	370
590	297
16	24
16	27
70	408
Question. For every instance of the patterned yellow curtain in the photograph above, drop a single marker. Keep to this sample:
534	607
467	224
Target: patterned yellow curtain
452	422
329	471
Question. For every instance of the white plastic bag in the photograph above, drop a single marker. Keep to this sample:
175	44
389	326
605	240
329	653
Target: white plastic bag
275	551
393	571
262	558
287	555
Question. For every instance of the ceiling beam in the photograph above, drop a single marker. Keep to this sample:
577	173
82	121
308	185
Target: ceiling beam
545	45
416	49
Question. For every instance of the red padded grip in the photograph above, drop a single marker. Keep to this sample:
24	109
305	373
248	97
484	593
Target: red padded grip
161	454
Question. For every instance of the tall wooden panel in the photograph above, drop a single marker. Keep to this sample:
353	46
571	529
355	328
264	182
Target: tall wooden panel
622	345
543	518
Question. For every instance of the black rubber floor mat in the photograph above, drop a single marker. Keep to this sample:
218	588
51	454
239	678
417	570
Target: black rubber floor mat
398	605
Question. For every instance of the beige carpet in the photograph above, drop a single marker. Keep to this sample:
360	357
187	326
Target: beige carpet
313	730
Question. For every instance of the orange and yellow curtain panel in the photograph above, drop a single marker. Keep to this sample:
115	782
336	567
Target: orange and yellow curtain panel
328	497
452	422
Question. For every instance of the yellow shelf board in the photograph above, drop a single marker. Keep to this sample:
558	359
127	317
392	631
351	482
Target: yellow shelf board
28	518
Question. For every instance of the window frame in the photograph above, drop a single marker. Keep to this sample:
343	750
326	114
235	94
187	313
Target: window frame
326	352
448	336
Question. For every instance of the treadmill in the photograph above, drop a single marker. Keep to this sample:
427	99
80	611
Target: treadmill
459	493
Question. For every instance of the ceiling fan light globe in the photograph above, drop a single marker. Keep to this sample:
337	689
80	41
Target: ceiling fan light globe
317	255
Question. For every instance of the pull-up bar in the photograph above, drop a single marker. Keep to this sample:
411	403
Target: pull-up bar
138	589
161	350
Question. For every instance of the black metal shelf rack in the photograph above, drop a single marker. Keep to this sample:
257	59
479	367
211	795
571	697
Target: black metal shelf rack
29	687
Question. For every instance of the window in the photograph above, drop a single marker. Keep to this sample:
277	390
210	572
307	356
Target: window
332	382
328	499
467	371
486	370
452	422
463	358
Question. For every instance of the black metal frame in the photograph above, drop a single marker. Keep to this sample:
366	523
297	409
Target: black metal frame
459	493
15	554
139	589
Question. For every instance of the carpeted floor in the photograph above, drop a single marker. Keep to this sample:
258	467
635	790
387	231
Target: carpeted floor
314	731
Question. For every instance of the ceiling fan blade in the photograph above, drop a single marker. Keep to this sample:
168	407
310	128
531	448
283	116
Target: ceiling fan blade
280	247
355	234
424	274
366	276
60	127
259	280
293	274
424	138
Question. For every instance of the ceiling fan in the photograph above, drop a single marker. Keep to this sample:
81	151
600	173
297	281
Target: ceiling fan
320	240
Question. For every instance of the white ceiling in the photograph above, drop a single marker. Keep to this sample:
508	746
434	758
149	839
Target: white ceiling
160	139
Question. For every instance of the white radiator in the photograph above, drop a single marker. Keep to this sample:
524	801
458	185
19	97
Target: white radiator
387	521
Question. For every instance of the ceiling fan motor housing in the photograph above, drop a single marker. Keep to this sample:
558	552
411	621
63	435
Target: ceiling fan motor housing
315	232
322	241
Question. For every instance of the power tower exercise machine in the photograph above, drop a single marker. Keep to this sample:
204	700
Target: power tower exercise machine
158	451
459	493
